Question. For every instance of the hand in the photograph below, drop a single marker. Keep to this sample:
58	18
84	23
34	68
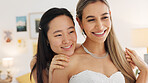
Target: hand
58	62
135	60
129	59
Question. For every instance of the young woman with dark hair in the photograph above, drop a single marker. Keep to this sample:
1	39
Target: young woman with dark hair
56	36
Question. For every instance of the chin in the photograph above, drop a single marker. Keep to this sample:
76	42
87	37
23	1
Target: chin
69	53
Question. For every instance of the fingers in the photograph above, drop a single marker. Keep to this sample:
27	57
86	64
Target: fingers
59	62
57	67
130	55
53	67
132	65
135	59
129	59
127	56
129	52
61	58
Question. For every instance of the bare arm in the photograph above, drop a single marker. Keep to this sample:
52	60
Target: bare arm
63	75
60	76
143	76
58	62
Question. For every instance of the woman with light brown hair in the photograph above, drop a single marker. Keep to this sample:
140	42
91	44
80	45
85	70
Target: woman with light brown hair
100	59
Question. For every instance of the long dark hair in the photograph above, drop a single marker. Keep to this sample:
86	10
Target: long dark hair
44	51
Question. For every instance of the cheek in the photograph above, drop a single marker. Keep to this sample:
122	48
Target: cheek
74	37
108	23
55	44
86	27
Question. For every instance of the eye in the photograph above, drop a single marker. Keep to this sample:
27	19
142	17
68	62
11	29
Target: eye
71	31
105	17
91	20
58	35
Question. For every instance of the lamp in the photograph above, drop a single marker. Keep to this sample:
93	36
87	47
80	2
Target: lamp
140	39
7	63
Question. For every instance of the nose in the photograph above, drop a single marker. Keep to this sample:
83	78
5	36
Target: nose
99	25
66	39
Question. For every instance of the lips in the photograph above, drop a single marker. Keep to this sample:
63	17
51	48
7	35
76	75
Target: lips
99	34
67	47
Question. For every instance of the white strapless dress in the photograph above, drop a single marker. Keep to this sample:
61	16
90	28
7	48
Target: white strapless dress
89	76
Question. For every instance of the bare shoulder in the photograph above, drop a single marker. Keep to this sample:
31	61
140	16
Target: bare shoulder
79	52
63	75
76	59
33	61
79	55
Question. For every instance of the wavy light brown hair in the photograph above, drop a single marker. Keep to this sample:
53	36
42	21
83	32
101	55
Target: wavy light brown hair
111	44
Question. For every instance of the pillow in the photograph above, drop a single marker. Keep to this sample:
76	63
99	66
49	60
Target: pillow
25	79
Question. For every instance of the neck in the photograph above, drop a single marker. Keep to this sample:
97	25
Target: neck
95	47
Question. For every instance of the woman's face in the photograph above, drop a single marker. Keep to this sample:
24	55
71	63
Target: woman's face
61	35
96	21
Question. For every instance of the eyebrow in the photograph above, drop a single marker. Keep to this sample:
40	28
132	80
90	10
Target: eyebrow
94	16
90	17
104	14
71	27
57	31
61	30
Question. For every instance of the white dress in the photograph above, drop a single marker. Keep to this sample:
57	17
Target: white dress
89	76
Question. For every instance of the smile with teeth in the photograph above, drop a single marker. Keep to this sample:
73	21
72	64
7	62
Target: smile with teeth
99	33
67	47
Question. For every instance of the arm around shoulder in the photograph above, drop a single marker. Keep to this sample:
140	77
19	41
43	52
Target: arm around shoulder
60	76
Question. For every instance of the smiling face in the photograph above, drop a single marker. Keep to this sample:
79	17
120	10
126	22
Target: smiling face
96	21
61	35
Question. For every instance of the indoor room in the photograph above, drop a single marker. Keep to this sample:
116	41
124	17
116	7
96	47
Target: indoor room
19	31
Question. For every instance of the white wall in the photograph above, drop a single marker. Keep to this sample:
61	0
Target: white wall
127	14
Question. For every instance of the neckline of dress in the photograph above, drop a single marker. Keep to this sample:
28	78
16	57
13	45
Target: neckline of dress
96	72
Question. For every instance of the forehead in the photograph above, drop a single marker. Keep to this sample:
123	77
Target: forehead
95	8
61	22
